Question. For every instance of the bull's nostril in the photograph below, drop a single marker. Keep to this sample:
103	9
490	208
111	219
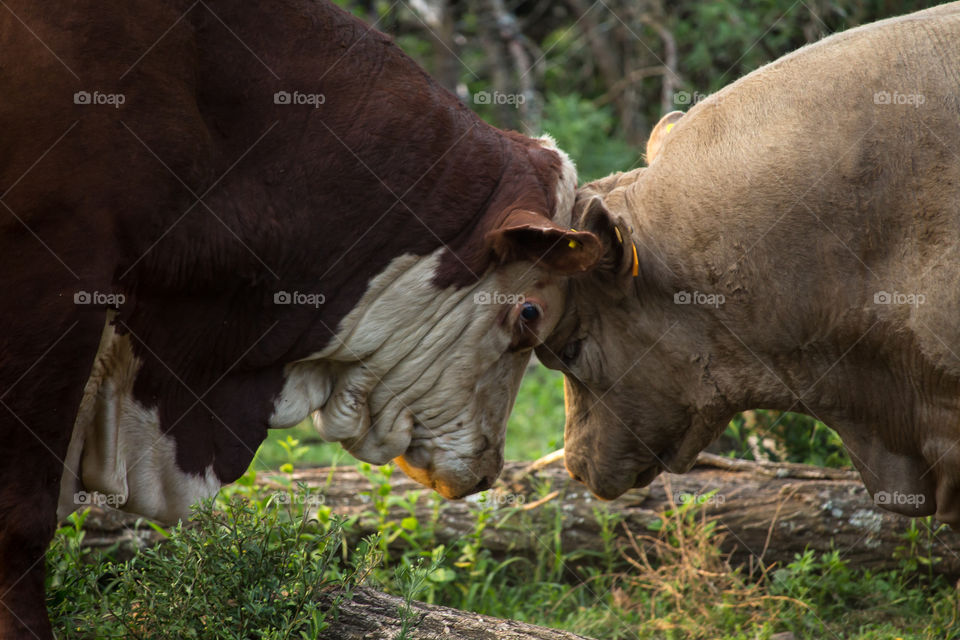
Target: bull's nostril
483	485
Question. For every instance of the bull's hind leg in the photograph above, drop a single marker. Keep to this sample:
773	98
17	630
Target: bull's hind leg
45	357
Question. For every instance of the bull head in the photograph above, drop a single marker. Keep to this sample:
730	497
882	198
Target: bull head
436	396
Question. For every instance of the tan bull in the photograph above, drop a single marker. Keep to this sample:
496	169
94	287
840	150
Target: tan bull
793	245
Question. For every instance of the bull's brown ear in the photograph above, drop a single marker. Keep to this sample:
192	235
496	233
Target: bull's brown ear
525	235
659	134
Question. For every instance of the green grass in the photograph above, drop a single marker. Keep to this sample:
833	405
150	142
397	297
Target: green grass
255	565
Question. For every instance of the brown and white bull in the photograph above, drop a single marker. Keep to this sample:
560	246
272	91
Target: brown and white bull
794	244
220	217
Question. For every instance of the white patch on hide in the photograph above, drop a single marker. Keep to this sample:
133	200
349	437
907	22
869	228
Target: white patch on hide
117	450
566	185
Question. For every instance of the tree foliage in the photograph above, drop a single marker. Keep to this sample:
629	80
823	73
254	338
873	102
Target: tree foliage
599	75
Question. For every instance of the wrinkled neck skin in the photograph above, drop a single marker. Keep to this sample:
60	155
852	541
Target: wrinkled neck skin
828	255
397	371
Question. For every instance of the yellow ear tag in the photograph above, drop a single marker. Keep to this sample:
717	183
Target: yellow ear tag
619	237
669	126
573	244
636	262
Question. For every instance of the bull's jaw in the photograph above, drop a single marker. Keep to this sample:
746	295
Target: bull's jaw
457	469
426	477
612	486
611	481
609	476
634	461
453	486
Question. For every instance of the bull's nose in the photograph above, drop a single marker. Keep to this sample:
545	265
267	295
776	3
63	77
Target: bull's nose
574	466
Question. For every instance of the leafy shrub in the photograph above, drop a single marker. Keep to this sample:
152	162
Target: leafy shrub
247	570
254	565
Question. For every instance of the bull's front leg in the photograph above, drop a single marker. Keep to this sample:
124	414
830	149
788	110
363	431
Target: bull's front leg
28	516
45	359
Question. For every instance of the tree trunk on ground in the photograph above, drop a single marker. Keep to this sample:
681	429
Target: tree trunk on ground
768	512
378	616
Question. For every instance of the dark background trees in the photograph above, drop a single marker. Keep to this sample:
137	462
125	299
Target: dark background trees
598	74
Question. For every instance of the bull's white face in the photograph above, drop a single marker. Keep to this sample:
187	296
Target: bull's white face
427	376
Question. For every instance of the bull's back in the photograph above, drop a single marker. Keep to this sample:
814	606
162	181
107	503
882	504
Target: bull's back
861	129
822	99
834	169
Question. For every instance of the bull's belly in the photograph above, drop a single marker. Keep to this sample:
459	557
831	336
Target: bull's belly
117	449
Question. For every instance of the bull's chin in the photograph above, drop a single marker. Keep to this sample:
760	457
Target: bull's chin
614	487
429	480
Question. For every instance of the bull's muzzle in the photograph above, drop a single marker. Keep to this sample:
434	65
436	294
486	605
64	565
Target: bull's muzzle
451	485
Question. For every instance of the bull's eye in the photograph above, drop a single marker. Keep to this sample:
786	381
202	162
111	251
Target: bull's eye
529	311
571	351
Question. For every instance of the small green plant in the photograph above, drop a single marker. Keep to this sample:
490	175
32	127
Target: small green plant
248	570
294	450
411	579
71	588
299	446
917	550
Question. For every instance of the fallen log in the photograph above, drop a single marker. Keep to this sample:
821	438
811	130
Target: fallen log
767	512
371	615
